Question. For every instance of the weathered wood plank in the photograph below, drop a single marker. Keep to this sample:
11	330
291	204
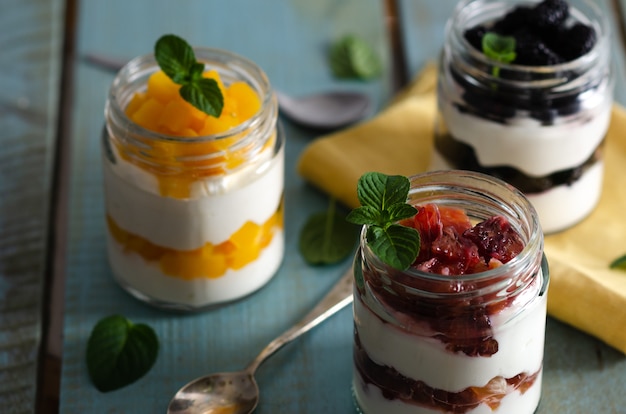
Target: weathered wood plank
30	63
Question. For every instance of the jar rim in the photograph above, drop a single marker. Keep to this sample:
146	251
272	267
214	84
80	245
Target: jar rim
533	246
146	64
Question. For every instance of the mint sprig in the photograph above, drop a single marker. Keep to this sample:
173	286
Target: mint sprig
178	61
326	237
499	48
383	203
120	352
353	58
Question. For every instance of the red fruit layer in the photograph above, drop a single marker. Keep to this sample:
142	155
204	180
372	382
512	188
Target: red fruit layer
395	386
451	246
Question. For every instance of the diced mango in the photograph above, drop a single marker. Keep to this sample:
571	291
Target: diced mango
148	114
247	235
162	88
248	103
209	261
161	109
135	103
176	117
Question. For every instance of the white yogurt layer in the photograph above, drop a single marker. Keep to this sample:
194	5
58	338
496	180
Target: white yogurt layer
525	144
210	215
520	339
561	206
146	279
371	400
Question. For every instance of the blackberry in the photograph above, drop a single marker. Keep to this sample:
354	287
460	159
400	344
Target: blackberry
532	51
513	21
475	36
576	41
549	14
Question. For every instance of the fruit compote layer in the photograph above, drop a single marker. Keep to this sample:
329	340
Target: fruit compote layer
203	224
545	140
447	349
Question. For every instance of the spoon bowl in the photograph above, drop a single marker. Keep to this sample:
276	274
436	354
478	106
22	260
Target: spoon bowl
223	393
237	392
324	111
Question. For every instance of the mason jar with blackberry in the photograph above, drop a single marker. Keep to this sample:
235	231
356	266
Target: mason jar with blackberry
525	93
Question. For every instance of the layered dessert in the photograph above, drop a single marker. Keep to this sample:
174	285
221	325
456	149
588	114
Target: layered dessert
461	332
193	202
539	121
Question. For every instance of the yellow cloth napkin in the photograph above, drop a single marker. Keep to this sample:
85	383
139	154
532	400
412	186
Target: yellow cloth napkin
583	292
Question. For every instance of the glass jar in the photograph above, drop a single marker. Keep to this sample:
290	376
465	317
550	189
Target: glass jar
473	343
539	128
193	222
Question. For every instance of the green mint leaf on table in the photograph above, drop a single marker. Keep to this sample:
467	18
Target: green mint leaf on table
120	352
353	58
326	237
178	61
619	263
383	204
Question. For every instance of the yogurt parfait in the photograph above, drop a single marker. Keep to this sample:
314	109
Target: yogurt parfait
525	93
194	202
462	329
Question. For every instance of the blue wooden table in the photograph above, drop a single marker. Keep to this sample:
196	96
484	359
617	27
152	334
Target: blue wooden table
289	40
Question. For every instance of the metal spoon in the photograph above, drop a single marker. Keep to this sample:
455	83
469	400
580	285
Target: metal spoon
325	110
238	392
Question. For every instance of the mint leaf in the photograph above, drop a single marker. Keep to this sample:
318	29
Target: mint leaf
400	211
381	191
178	61
205	95
397	245
351	57
499	48
326	237
365	215
120	352
619	263
383	204
175	57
